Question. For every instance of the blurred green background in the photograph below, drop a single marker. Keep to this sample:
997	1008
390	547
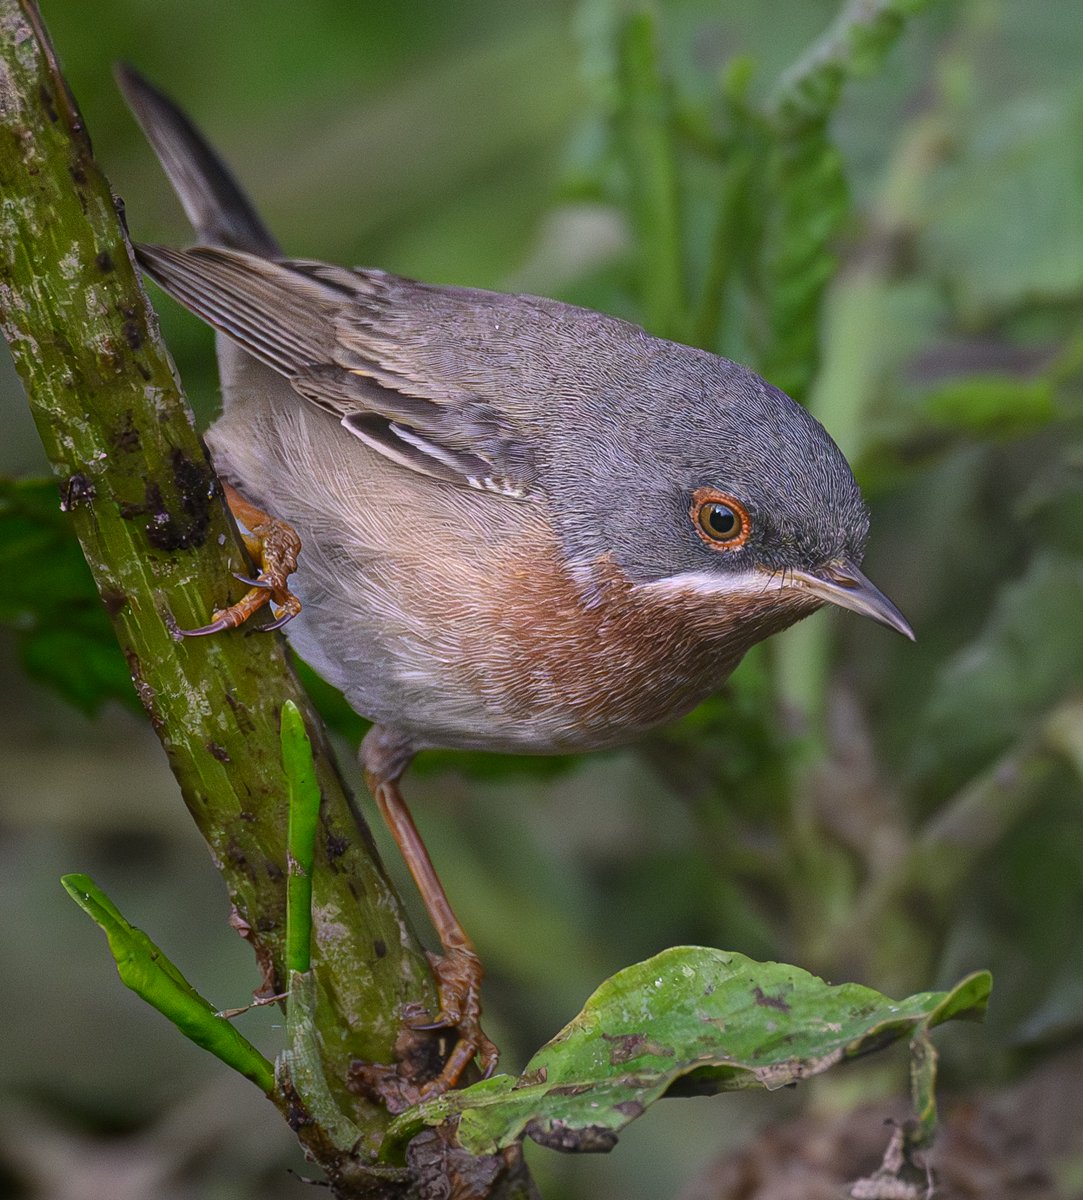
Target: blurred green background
892	814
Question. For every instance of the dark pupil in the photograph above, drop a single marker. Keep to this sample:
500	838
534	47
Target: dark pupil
722	520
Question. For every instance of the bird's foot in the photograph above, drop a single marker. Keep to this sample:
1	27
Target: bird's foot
275	546
433	1052
458	973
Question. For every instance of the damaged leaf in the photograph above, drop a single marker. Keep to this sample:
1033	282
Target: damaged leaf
690	1020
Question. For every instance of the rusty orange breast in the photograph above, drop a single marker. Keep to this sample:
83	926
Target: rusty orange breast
569	671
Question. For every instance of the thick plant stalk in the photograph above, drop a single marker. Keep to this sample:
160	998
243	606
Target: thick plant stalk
148	511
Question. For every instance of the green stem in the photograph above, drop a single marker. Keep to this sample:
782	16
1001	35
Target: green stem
304	809
854	44
724	247
647	123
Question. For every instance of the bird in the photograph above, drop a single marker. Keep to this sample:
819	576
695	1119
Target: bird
495	522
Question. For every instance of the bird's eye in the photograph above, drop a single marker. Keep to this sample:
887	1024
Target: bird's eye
720	520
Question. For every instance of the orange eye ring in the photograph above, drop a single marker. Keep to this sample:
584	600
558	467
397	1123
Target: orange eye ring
721	520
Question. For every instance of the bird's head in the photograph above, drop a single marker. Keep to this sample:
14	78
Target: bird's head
717	485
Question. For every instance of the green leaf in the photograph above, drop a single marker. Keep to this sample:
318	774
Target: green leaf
148	972
1025	659
689	1020
1019	155
304	812
992	405
805	191
737	224
49	597
854	45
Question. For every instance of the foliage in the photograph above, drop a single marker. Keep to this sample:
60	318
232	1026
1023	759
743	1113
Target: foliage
897	236
144	503
50	600
708	1020
688	1021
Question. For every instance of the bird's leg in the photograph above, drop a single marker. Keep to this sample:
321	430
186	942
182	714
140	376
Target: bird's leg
274	545
458	970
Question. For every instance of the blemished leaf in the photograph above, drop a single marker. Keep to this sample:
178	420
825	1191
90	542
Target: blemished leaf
689	1020
49	598
149	973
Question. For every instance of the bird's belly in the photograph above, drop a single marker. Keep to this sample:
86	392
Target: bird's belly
496	653
519	662
553	695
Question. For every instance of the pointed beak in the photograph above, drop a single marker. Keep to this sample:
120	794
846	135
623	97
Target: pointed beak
843	584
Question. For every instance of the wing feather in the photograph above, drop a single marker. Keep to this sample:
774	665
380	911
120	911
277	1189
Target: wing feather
326	329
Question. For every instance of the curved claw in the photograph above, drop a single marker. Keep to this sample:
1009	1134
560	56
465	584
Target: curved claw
457	972
423	1023
430	1026
287	615
256	583
472	1044
218	626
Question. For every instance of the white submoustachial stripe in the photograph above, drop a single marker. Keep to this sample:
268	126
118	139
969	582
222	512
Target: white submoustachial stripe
709	583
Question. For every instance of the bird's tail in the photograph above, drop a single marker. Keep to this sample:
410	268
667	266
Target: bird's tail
212	199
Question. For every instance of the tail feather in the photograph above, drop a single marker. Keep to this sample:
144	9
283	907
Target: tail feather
212	199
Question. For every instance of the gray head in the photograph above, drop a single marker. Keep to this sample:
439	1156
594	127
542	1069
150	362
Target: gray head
709	479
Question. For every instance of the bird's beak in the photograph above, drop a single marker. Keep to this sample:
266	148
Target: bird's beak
843	584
